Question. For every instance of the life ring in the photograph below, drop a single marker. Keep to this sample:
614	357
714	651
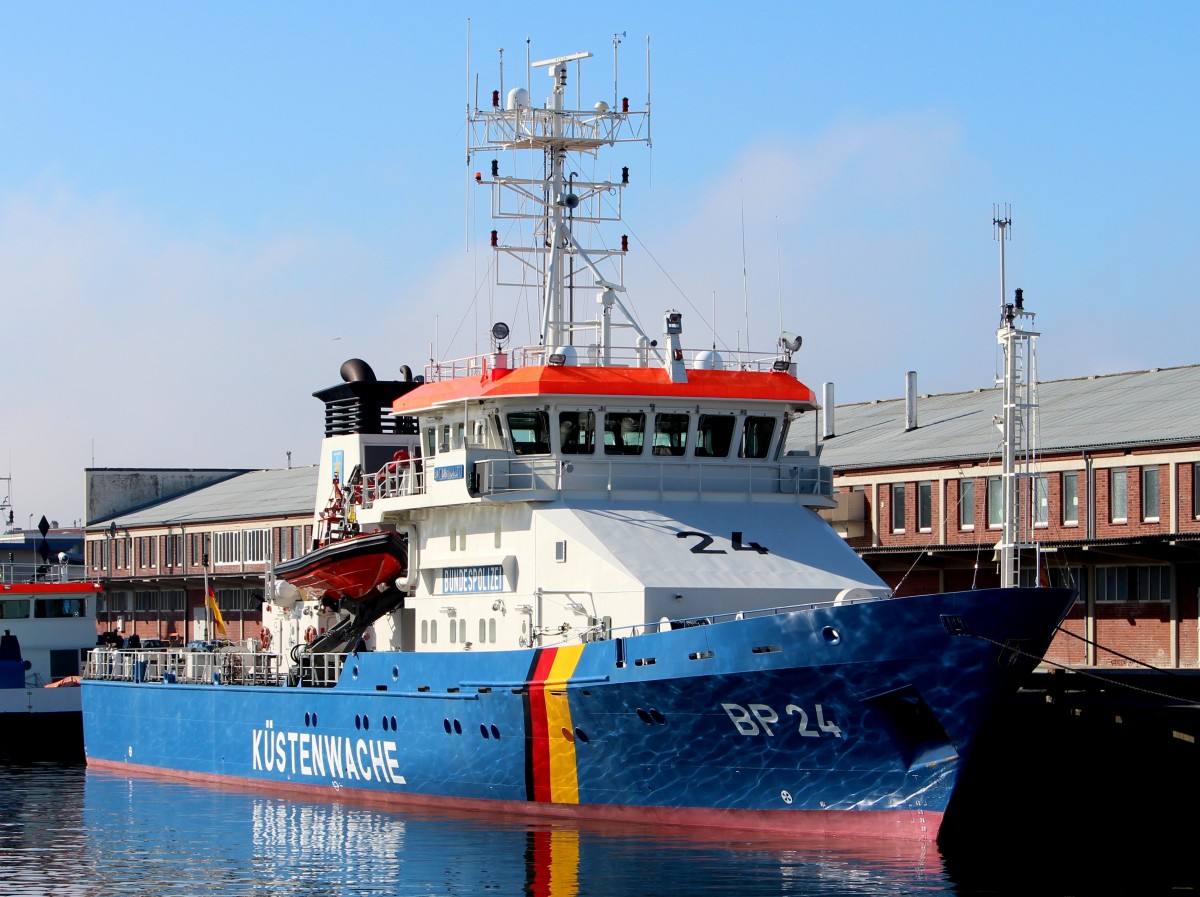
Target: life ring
265	636
310	633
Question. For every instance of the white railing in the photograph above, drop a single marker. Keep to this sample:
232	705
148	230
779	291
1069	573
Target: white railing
619	356
223	667
13	573
396	479
507	475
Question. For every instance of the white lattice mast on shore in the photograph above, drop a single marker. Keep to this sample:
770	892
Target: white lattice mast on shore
1018	420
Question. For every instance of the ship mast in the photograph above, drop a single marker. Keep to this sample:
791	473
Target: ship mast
559	201
1018	421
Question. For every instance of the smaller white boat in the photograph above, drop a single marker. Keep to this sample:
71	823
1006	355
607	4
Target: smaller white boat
47	621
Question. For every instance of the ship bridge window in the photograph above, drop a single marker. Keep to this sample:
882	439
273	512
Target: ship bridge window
670	434
530	432
57	608
756	437
624	432
14	608
577	432
714	435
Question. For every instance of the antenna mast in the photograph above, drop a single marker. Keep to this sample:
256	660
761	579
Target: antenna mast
560	201
1018	423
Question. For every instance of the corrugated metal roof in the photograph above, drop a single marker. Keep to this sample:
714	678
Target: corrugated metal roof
257	494
1138	408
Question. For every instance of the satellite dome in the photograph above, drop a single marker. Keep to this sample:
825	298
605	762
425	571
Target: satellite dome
518	98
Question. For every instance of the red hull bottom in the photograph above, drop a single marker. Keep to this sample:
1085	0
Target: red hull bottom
915	826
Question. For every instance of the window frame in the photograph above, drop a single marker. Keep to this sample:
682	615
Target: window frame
1070	507
898	507
1041	500
1150	484
925	506
1118	498
966	506
995	503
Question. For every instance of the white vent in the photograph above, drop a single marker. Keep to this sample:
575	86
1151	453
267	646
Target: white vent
910	401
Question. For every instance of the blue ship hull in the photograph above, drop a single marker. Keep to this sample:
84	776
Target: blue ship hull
851	718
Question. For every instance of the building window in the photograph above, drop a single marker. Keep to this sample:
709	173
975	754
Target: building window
1150	494
174	547
966	504
1116	495
995	503
1139	583
925	506
145	551
1196	490
1070	498
1041	500
227	547
255	545
898	507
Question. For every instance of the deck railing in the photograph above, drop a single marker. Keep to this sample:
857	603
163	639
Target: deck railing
52	571
500	476
505	475
222	667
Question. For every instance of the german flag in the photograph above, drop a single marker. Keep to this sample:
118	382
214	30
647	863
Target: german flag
214	611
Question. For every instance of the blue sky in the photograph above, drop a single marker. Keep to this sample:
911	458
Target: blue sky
206	207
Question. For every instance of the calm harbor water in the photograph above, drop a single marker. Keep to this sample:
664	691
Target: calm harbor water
65	830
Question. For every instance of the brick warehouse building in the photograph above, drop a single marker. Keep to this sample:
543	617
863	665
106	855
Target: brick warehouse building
154	536
1112	500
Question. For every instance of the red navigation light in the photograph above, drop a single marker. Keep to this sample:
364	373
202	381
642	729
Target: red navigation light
495	238
624	174
624	242
624	104
496	98
478	178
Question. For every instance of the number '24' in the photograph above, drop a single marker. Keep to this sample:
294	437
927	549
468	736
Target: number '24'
705	540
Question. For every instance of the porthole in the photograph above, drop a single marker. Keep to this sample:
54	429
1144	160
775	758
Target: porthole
568	734
457	727
355	671
307	719
357	721
395	674
657	716
495	733
314	719
366	722
483	730
644	716
831	635
393	724
581	735
446	725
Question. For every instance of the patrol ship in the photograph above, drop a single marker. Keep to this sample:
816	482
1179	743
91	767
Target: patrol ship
585	578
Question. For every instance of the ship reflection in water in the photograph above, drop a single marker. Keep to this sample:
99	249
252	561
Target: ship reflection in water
109	834
66	831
